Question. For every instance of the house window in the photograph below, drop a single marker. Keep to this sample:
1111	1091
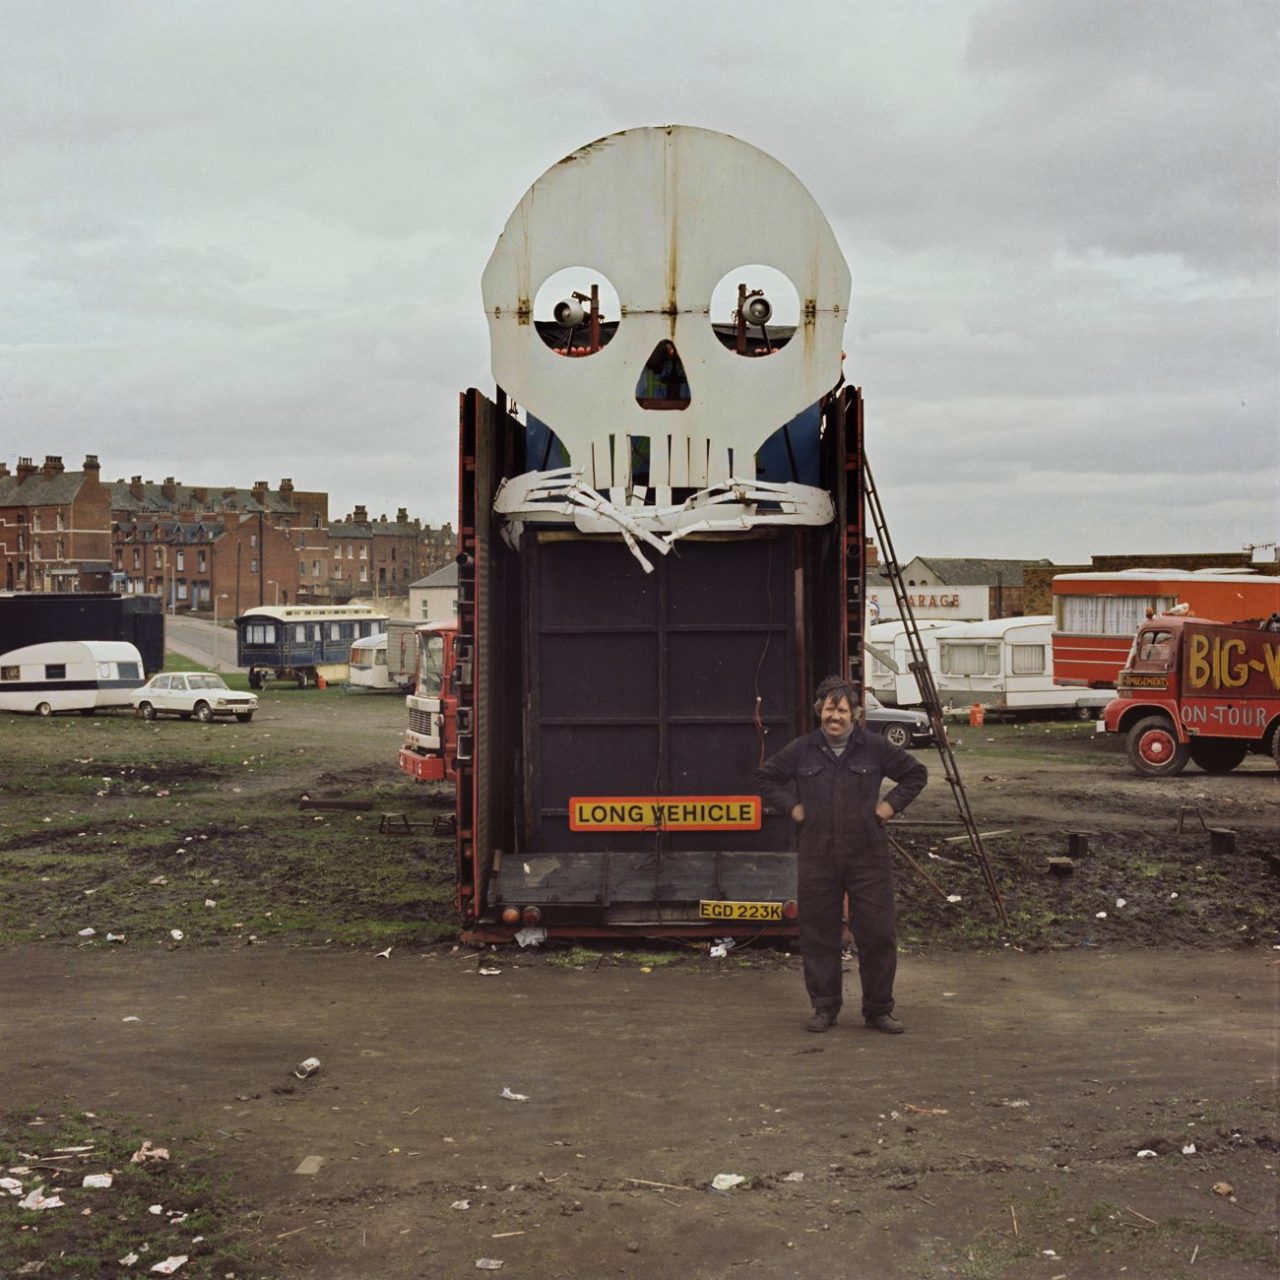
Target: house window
159	557
364	553
137	557
315	568
182	559
349	552
35	521
201	561
302	568
253	539
364	573
58	520
35	550
61	553
253	565
22	542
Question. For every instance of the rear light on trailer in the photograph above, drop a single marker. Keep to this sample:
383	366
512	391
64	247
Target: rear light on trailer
790	909
510	915
531	915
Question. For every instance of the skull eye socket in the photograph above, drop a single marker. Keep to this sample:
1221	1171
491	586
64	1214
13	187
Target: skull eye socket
754	310
576	311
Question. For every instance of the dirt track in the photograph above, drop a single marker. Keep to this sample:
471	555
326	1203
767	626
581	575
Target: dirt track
1037	1079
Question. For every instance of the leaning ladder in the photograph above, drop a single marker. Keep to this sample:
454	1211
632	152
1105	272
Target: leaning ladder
919	667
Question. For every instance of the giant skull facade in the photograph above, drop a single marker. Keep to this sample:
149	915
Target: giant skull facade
664	214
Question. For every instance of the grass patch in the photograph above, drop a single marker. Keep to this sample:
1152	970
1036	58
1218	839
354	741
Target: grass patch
95	1228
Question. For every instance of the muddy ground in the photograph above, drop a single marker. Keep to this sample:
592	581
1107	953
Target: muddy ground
999	1138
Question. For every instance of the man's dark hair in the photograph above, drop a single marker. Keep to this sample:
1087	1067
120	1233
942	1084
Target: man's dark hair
836	687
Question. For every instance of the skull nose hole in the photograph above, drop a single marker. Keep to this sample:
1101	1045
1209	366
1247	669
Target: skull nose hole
663	384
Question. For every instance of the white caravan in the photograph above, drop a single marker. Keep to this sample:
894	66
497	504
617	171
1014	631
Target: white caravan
369	665
69	675
888	670
1006	664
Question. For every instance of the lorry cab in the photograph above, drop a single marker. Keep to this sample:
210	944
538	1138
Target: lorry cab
431	741
1197	690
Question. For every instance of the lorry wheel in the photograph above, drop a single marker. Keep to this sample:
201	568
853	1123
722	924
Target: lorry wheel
1154	748
1216	755
204	712
44	709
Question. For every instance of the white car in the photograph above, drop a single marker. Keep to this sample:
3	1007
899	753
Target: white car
192	693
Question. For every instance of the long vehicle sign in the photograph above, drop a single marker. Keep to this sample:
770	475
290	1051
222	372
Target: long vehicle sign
664	813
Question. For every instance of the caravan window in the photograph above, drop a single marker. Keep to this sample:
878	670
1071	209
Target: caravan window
55	670
130	671
10	673
260	633
299	632
1027	659
969	659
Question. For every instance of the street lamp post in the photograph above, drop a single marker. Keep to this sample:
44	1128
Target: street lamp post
271	582
222	595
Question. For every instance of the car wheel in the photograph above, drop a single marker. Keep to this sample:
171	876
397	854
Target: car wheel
1154	748
897	735
204	712
244	716
1217	756
146	711
44	709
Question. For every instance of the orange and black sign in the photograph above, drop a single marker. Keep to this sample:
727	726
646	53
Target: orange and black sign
664	813
1137	680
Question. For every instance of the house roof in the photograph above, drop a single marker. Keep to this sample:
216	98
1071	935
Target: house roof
975	573
446	577
184	499
38	490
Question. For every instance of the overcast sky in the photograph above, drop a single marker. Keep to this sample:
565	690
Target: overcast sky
241	241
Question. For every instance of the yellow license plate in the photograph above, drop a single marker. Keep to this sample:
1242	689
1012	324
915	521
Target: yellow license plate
715	909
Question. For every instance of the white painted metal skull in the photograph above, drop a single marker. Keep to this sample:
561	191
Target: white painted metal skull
664	214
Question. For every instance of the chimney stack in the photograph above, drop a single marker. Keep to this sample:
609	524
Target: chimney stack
169	488
136	488
361	516
25	468
52	466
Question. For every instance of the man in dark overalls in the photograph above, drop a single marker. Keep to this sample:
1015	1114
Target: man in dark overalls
829	782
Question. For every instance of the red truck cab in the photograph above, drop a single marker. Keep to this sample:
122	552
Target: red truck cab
430	748
1193	689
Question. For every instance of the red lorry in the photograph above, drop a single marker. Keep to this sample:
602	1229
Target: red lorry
1193	689
431	741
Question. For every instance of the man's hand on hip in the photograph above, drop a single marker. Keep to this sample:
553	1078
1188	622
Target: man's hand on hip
885	811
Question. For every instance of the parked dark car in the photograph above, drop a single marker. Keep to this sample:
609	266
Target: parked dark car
903	726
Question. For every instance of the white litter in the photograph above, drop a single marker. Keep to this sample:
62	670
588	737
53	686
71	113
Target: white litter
307	1067
157	1209
133	1017
1119	903
724	1181
209	902
1146	1154
531	936
797	1176
96	1180
11	1185
489	973
147	1152
383	955
115	937
170	1264
38	1200
513	1097
87	933
176	935
488	1264
461	1204
954	897
1102	915
128	1260
1189	1149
